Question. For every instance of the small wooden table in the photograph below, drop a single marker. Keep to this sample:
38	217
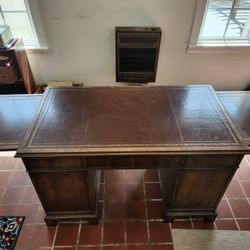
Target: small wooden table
184	132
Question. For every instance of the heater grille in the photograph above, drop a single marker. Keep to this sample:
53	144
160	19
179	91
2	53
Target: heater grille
137	50
137	60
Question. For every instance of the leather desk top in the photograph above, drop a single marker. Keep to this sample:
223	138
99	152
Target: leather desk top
16	114
130	120
237	104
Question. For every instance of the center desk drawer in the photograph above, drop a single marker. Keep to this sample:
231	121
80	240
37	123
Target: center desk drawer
141	161
54	163
211	161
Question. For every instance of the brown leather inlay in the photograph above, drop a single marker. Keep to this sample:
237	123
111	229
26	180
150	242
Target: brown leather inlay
16	114
83	117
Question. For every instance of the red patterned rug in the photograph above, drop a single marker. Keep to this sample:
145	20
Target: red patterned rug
10	228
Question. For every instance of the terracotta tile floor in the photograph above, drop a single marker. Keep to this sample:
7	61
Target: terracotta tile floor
131	211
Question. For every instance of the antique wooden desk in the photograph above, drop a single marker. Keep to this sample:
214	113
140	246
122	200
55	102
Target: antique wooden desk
184	132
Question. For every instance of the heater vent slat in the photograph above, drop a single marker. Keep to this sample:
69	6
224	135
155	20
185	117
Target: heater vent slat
137	51
138	40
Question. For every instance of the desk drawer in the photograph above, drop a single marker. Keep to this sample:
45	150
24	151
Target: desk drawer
109	162
157	161
54	163
212	161
140	161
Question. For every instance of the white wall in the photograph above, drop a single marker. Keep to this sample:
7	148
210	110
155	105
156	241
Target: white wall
80	34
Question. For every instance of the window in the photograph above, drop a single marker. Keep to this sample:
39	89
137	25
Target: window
221	23
16	14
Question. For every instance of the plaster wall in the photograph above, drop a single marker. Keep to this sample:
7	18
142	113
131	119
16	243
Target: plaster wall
81	38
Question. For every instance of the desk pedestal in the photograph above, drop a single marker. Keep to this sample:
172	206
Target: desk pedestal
66	190
196	187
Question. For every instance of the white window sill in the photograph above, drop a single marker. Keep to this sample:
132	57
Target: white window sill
221	48
37	50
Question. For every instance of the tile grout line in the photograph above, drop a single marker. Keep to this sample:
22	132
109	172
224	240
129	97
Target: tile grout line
245	181
242	189
146	213
78	235
32	234
248	163
17	164
125	212
235	198
215	226
5	187
17	186
234	217
240	218
54	239
12	172
3	193
103	208
20	202
9	170
192	224
24	192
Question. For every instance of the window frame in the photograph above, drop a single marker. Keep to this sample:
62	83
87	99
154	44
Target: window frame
220	45
33	13
36	40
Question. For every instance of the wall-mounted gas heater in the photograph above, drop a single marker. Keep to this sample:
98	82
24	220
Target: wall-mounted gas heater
137	50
